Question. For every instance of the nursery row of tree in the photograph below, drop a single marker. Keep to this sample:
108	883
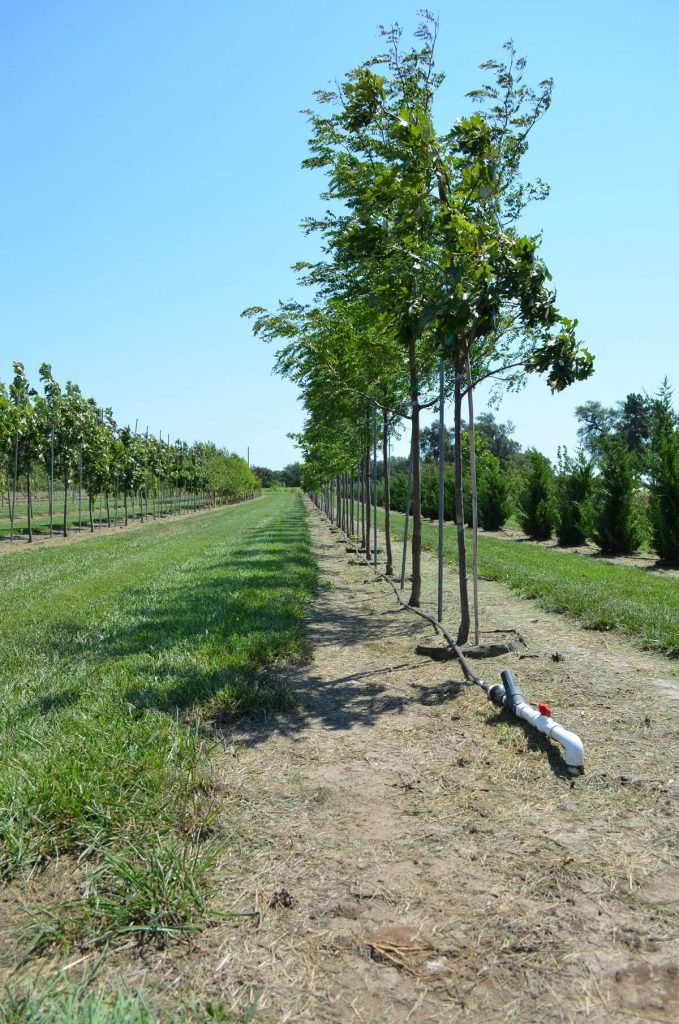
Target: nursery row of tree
59	446
426	284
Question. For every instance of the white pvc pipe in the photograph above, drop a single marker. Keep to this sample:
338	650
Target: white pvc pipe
574	755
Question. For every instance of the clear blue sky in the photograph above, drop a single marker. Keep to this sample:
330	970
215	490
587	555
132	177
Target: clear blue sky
150	189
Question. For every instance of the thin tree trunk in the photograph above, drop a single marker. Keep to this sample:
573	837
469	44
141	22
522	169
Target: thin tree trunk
442	482
406	524
463	632
80	493
361	495
14	488
30	507
416	588
366	465
389	571
375	485
65	506
51	480
475	504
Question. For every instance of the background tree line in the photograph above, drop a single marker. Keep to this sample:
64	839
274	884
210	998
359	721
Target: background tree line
620	490
289	476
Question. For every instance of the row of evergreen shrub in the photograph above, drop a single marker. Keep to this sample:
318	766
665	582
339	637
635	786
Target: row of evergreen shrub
606	502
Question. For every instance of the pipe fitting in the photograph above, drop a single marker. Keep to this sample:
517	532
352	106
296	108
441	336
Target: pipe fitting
513	700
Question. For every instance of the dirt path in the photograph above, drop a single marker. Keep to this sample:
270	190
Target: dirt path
416	857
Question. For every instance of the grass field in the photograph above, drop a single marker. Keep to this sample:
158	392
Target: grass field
119	655
640	603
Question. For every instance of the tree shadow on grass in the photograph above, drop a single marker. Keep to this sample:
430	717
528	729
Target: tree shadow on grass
220	639
218	643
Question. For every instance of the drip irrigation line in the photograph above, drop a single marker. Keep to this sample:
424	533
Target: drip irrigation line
438	626
506	695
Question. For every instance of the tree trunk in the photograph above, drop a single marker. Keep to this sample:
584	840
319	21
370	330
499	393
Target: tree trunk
463	632
362	499
14	488
442	483
389	571
406	521
29	509
475	503
66	507
375	486
366	464
51	480
416	588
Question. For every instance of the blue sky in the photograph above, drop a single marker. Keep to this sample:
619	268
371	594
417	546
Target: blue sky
150	189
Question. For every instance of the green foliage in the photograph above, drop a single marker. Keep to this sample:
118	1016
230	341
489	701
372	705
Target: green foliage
664	473
617	526
494	496
574	486
537	504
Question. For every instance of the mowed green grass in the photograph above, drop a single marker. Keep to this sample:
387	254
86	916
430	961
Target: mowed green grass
118	656
639	603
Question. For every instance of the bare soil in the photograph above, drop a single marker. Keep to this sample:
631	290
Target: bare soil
416	856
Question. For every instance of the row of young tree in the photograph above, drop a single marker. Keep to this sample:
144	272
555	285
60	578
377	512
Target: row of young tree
426	284
65	445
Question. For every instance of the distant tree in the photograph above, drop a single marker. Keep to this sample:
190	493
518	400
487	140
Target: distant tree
664	477
291	475
596	423
429	444
497	437
617	521
494	496
537	504
266	476
634	425
575	481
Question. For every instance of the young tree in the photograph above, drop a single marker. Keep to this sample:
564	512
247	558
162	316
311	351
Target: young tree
21	396
537	505
494	496
617	527
574	483
664	475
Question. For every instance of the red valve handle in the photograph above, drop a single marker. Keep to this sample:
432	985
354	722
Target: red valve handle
545	709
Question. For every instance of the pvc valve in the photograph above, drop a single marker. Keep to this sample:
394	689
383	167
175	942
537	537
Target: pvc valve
545	710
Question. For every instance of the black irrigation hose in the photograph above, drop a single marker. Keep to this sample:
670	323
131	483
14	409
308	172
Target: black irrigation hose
507	694
439	627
